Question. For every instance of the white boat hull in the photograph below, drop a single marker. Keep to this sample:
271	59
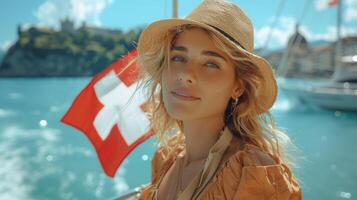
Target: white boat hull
337	96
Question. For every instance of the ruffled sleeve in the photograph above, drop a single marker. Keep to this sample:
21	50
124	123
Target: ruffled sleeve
253	174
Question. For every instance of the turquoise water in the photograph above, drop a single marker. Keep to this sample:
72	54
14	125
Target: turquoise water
41	158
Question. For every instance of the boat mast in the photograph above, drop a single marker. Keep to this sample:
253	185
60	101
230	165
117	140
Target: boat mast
338	46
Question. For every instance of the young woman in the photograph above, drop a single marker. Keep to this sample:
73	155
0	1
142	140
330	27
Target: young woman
209	104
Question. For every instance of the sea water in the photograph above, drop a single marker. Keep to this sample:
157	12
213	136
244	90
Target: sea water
41	158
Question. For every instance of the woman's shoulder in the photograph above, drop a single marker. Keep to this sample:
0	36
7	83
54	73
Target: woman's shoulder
248	172
243	154
249	158
252	155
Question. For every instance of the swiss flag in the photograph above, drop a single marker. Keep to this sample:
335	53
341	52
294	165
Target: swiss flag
109	116
332	2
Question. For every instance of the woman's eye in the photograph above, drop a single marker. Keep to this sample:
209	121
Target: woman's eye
211	64
177	59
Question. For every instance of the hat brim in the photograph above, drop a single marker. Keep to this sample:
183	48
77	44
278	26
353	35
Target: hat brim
154	34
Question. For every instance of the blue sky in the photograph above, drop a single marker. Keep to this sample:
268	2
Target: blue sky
318	22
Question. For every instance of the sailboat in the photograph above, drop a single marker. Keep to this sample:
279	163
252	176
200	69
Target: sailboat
338	92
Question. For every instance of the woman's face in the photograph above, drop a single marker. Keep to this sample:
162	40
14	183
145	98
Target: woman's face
199	79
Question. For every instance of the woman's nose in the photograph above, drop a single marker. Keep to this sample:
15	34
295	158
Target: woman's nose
187	74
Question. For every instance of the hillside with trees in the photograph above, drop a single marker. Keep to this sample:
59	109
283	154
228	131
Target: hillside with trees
68	52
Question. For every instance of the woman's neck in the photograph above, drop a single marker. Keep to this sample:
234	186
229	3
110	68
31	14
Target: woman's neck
200	136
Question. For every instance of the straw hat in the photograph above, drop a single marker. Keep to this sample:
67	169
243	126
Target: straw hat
231	24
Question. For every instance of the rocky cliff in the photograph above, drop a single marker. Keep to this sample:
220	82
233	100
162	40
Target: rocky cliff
84	52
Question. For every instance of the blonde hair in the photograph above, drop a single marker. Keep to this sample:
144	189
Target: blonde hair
244	121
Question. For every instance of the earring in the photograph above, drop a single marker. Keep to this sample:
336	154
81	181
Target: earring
234	106
235	103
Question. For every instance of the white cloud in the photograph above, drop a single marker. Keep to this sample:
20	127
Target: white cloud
286	27
351	12
6	45
26	26
279	35
52	11
351	15
321	4
350	8
330	33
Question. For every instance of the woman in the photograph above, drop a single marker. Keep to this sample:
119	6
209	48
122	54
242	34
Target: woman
209	101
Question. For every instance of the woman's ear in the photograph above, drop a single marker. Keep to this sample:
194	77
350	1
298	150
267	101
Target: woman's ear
238	89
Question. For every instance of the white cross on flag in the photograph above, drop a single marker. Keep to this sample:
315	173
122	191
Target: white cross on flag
108	113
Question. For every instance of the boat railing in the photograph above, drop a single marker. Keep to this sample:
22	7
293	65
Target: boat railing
132	194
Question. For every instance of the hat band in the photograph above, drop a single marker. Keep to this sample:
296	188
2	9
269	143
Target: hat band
227	35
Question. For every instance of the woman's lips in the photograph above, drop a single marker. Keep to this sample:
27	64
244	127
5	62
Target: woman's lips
185	98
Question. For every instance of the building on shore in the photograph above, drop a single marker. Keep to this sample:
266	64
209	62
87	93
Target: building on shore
310	60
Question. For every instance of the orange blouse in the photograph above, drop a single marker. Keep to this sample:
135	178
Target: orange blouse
244	173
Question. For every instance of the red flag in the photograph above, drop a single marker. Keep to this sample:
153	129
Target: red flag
109	116
332	2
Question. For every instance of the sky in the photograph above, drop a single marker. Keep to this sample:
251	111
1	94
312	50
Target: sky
317	20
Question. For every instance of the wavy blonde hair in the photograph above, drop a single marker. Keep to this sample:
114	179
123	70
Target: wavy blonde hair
244	121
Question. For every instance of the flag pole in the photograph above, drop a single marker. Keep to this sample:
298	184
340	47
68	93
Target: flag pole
174	9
